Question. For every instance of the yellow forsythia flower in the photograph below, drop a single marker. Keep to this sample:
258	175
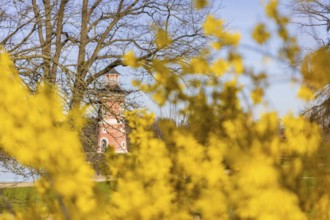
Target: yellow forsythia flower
271	9
220	67
232	39
216	45
35	131
305	93
130	59
199	65
256	95
260	34
237	63
213	26
316	67
301	135
200	3
162	38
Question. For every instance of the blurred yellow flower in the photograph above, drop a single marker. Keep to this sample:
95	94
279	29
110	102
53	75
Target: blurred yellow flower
130	59
306	93
260	34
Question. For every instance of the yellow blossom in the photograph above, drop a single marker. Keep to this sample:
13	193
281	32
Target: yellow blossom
162	38
260	34
315	68
131	60
199	65
305	93
271	8
256	95
237	63
301	135
37	134
232	39
200	3
216	45
220	67
213	26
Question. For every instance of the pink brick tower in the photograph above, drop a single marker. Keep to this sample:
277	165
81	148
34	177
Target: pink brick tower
112	132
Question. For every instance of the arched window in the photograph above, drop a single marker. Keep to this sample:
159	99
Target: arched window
121	109
104	144
123	144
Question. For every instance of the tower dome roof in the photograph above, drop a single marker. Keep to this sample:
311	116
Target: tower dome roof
111	83
113	71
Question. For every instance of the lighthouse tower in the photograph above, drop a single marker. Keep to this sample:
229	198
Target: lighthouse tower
112	132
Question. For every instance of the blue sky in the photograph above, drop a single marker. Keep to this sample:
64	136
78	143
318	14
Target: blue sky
242	15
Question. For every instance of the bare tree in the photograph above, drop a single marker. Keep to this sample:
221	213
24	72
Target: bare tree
73	43
319	110
313	18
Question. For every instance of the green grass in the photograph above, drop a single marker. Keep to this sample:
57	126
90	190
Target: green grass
18	198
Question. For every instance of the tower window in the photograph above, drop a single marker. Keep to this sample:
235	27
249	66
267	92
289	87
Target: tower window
104	144
121	110
123	144
122	130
